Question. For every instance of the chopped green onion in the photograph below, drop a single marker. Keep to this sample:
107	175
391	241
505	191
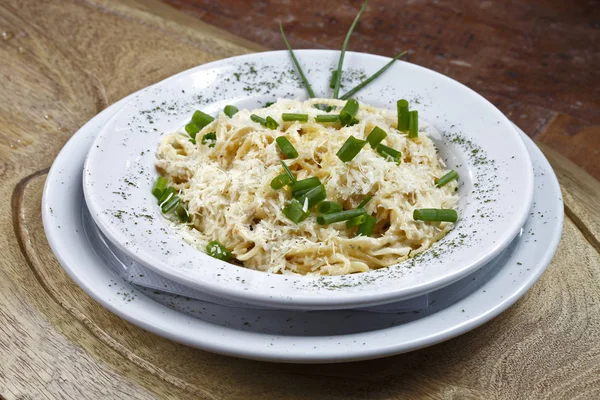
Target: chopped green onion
350	149
201	119
267	123
302	186
390	153
182	212
334	76
376	136
311	94
327	118
331	218
364	202
364	83
413	124
286	147
271	123
402	107
352	122
289	173
280	181
259	120
166	195
269	104
295	211
336	88
435	214
328	207
314	196
159	187
366	229
210	139
230	111
217	250
361	219
294	117
192	129
349	112
170	204
449	177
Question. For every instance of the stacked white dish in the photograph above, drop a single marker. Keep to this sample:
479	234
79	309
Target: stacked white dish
509	228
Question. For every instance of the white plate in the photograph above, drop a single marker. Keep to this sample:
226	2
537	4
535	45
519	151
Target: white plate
496	178
290	336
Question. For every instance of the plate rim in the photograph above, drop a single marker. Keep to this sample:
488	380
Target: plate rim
247	351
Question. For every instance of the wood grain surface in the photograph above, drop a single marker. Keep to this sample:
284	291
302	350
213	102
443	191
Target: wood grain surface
63	61
536	60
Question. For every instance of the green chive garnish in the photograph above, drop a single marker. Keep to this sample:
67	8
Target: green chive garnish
361	219
294	117
166	195
327	219
217	250
170	204
366	229
328	207
364	83
435	214
201	119
280	181
350	149
334	75
269	104
389	153
286	147
289	173
302	186
259	120
267	123
192	129
313	197
159	187
230	111
295	212
336	88
311	94
210	139
413	124
449	177
271	123
376	136
349	112
182	212
364	202
402	107
327	118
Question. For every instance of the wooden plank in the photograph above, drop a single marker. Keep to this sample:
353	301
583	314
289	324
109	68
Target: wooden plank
531	58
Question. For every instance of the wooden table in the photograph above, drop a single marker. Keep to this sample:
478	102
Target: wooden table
61	62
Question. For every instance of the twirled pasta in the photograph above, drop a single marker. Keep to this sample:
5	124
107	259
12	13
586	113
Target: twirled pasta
228	191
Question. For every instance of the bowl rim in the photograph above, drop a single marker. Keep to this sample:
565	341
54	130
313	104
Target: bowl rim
328	299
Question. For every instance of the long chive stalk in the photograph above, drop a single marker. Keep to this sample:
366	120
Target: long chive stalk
370	79
311	94
336	89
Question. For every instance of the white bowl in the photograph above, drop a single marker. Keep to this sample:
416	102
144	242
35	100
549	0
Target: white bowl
476	139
